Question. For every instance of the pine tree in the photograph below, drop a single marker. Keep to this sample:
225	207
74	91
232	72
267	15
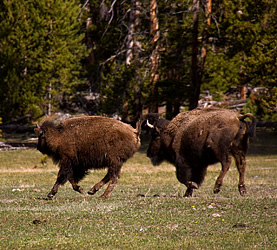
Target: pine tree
175	53
40	53
244	49
230	38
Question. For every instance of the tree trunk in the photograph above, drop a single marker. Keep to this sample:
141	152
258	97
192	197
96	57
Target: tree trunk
177	106
130	36
135	27
154	58
198	62
205	34
89	44
195	90
49	98
49	90
243	92
169	110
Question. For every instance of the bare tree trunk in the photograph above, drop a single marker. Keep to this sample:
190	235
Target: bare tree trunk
137	28
155	57
132	56
205	34
49	97
243	92
193	101
177	106
198	62
130	36
89	44
49	93
169	110
137	88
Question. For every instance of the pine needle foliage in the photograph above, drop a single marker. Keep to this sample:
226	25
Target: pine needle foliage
40	46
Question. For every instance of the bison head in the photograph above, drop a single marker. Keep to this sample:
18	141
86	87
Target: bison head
154	151
42	133
42	145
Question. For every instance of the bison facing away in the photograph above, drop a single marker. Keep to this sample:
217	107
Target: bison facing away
80	144
195	139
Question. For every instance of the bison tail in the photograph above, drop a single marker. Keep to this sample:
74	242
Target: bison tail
251	131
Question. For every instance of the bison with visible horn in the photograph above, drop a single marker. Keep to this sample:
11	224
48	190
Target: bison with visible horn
80	144
198	138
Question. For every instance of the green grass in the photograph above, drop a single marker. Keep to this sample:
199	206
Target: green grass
146	210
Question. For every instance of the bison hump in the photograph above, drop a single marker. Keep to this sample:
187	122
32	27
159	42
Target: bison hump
100	135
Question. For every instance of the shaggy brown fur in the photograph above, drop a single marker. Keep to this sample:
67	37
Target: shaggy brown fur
195	139
80	144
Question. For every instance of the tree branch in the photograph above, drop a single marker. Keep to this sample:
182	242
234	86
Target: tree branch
112	57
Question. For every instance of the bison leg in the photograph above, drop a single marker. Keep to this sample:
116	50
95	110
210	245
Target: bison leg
64	174
53	191
115	175
225	165
190	186
100	184
241	166
75	186
184	175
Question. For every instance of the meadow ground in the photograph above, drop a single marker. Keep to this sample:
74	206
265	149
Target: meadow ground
146	210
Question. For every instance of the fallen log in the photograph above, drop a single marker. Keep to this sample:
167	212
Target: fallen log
10	128
21	118
266	124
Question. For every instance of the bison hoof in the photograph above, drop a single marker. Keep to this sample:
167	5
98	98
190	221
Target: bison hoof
92	192
217	190
80	190
49	197
242	190
188	193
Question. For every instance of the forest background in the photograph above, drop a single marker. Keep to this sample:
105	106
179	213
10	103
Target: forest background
126	56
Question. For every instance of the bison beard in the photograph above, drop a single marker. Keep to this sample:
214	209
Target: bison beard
80	144
195	139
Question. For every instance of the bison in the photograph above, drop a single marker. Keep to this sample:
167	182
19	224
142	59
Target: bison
91	142
195	139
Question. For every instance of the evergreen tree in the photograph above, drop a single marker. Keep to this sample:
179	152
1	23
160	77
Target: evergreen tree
175	43
116	32
235	40
239	39
244	49
40	53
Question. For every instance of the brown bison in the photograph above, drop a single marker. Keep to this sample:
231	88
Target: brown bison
80	144
195	139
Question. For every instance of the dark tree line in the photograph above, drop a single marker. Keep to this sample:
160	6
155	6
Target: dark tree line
134	55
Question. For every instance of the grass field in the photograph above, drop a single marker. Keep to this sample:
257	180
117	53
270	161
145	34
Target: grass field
146	210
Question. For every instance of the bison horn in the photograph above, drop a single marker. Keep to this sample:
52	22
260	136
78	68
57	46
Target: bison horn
149	125
38	125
